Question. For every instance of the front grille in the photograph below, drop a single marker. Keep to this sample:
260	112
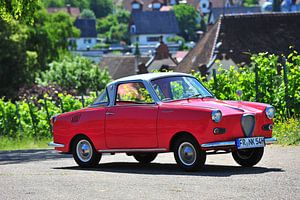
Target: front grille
248	124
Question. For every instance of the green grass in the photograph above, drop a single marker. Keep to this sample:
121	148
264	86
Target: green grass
18	144
287	132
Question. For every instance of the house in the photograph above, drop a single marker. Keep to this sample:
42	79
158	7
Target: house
146	5
146	27
123	65
234	37
162	59
216	12
88	34
72	11
286	5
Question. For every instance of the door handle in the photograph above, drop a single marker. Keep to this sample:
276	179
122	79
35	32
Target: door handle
109	113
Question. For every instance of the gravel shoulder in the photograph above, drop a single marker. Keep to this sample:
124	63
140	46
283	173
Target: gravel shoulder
45	174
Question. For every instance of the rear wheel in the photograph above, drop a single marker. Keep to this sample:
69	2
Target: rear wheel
188	154
84	152
248	157
145	158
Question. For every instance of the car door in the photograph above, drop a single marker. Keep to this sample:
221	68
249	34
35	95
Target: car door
131	122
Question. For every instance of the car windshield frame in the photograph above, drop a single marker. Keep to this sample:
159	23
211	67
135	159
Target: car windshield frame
101	95
205	92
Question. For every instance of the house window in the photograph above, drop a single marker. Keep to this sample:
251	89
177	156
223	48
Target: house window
204	5
153	39
137	39
136	6
133	29
156	6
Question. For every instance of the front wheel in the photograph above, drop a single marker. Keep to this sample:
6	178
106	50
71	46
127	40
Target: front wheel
84	153
145	158
188	154
248	157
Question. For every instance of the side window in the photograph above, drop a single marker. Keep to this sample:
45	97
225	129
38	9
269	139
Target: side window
101	100
177	89
132	93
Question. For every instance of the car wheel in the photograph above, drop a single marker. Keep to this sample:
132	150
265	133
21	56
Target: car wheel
84	153
248	157
145	158
188	154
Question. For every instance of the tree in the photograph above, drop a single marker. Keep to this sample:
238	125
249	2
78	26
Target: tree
101	8
115	26
47	41
12	57
87	14
75	72
276	6
186	16
82	4
21	10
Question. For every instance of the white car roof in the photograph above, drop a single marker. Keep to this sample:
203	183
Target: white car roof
149	76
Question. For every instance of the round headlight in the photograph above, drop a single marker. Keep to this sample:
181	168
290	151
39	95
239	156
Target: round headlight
216	116
270	112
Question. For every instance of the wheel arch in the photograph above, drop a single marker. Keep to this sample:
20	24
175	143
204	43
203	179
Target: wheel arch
75	137
179	135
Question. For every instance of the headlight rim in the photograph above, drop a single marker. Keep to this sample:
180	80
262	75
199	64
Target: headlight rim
213	114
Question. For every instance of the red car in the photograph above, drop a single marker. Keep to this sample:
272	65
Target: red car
147	114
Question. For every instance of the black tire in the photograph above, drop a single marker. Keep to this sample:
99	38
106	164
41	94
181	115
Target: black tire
248	157
145	158
193	162
88	157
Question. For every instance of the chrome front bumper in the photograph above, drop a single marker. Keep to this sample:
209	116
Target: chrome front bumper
52	144
231	143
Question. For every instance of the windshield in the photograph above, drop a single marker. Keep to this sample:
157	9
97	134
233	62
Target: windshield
179	87
102	100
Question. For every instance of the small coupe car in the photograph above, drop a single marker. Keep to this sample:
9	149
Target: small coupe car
147	114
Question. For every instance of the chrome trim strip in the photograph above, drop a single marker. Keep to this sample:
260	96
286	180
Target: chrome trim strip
52	144
132	150
270	140
218	144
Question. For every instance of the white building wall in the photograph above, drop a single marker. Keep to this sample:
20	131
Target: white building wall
144	39
85	43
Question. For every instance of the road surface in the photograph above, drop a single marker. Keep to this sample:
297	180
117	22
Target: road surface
45	174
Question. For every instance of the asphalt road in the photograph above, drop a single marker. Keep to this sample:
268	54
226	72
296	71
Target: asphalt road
44	174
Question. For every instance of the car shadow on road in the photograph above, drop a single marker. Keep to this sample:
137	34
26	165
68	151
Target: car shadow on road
172	169
24	156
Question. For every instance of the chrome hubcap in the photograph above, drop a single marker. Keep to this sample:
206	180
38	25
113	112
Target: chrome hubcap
187	153
84	150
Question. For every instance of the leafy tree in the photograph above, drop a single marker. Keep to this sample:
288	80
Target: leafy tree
12	57
87	14
276	6
114	27
47	41
21	10
101	8
75	72
83	4
186	16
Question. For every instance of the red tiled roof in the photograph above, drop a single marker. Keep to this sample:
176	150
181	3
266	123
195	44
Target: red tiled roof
74	12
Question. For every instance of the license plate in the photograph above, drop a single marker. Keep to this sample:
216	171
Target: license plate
253	142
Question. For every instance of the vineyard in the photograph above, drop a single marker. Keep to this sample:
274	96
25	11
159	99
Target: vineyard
269	79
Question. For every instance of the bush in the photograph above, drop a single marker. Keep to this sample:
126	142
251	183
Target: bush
75	73
287	132
271	86
30	118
